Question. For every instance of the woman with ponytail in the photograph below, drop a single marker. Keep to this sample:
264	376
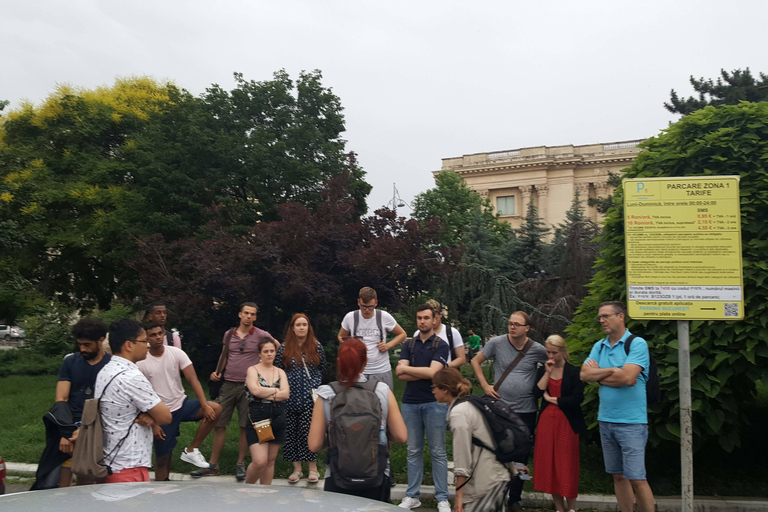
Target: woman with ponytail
481	480
350	365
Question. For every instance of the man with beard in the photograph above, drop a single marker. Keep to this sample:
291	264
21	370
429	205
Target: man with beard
77	378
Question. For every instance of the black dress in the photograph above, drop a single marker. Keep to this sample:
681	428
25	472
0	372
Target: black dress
262	409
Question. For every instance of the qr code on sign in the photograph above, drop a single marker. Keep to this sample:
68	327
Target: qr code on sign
731	309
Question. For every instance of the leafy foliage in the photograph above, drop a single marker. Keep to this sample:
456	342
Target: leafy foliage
729	89
48	330
727	358
532	247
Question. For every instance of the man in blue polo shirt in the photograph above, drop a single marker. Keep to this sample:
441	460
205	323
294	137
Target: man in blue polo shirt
420	359
623	414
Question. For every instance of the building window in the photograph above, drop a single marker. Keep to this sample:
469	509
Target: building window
505	205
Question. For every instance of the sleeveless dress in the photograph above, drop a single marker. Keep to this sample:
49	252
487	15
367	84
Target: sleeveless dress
556	453
261	409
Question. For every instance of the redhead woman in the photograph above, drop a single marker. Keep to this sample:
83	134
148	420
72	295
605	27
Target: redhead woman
266	387
556	452
481	480
350	364
303	359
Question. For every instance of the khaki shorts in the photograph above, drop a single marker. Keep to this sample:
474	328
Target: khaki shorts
232	395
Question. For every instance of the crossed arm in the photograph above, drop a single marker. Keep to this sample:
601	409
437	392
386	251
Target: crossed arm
408	373
613	377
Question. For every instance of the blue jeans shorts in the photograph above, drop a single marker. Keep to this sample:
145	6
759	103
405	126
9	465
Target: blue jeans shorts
624	448
186	412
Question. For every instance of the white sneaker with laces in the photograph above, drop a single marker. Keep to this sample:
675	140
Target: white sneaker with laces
443	506
411	503
194	457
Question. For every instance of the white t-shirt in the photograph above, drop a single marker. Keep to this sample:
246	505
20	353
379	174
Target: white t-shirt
457	341
163	373
368	331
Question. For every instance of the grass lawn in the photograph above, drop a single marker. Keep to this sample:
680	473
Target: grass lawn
25	399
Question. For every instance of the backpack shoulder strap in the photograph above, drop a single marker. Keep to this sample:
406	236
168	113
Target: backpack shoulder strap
336	386
628	343
382	334
110	382
169	338
369	385
520	356
355	321
224	358
449	334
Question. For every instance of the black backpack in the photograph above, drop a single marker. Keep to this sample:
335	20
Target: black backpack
356	321
511	438
356	458
652	387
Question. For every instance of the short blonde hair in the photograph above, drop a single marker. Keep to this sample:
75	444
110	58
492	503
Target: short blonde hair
559	342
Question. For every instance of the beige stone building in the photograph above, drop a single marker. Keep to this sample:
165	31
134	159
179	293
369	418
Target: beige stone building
548	176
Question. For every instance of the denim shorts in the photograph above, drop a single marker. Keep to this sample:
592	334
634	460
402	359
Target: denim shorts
624	448
186	412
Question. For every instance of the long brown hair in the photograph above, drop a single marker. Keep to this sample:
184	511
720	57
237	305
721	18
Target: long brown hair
292	349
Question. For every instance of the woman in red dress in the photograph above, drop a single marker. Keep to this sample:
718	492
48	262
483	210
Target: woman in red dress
556	452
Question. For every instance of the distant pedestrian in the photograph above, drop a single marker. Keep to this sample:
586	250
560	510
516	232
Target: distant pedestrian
556	453
303	359
473	344
623	412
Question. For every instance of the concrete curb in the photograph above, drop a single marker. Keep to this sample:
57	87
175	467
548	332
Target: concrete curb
530	499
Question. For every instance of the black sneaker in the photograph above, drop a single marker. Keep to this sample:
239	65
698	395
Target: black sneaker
211	470
240	471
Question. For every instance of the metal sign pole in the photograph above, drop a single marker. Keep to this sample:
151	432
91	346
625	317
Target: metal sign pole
686	425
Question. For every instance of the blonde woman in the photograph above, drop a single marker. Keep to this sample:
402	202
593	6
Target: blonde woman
556	452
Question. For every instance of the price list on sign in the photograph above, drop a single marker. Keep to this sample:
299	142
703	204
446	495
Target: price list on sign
683	248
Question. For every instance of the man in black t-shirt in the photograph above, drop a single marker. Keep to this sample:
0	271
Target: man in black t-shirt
77	378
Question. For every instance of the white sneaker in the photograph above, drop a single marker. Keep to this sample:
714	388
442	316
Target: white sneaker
411	503
443	506
194	457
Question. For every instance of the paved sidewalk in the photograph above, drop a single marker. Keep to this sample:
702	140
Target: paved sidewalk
530	499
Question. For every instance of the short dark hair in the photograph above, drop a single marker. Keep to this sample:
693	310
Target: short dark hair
618	306
151	325
153	305
525	315
367	294
91	329
249	305
425	307
264	341
121	331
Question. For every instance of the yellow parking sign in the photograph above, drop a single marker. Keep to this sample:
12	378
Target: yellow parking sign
683	248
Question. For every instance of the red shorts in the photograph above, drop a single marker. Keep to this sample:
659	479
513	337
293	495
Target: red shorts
128	475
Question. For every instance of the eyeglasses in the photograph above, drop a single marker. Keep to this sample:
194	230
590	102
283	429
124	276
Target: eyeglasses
367	308
146	342
603	317
517	325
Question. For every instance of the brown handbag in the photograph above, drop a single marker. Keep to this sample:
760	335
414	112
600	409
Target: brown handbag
263	429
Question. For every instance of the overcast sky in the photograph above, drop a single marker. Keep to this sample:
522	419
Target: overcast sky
419	80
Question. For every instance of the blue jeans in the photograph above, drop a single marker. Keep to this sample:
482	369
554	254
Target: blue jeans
429	417
624	448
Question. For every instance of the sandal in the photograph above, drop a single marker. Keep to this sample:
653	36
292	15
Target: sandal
295	477
313	477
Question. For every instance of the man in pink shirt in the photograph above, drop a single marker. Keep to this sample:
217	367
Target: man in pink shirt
161	368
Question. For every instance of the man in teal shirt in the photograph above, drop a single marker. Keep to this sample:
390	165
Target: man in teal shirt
623	414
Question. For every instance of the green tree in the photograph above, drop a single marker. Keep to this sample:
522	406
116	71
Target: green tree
455	205
574	249
532	245
728	89
727	358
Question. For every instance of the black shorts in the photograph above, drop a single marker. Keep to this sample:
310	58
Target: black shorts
258	411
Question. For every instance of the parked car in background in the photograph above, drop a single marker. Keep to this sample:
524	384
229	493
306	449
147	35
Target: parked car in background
11	332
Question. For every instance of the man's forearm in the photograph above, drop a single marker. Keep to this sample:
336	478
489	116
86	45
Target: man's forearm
590	374
397	340
617	379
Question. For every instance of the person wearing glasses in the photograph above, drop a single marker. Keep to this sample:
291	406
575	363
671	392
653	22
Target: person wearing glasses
514	378
240	351
163	368
129	406
623	411
371	326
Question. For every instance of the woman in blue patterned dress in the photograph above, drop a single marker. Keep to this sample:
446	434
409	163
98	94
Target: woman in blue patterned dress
303	359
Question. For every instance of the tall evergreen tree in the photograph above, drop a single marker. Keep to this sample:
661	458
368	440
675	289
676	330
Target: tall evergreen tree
532	244
728	89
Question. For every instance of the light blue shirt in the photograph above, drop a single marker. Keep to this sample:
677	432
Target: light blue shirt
626	404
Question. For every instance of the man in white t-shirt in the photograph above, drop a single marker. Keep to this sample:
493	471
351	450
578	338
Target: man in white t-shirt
457	352
371	326
161	368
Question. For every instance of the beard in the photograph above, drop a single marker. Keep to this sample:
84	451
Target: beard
89	355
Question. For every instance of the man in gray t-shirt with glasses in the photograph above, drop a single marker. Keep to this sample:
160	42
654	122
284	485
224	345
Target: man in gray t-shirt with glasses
514	386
